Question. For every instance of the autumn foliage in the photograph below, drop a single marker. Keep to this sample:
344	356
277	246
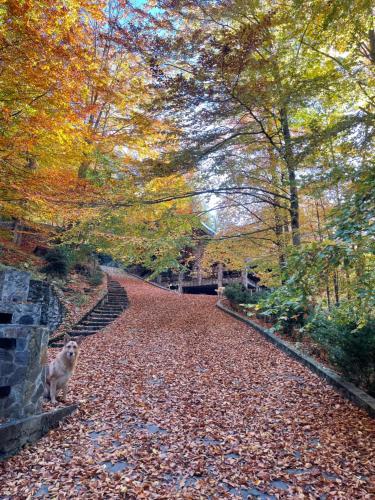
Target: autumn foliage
77	123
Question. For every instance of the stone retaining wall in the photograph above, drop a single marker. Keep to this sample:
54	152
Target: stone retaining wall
15	434
22	351
29	310
52	310
27	301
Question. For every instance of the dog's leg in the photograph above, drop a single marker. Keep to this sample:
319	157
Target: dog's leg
46	394
64	392
52	390
47	390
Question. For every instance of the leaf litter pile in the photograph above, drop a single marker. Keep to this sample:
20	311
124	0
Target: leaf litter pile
179	400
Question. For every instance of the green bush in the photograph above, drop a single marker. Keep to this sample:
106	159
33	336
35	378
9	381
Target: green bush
288	306
64	258
57	262
238	294
96	278
350	348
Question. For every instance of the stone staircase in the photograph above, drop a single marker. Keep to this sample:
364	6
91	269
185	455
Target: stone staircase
104	312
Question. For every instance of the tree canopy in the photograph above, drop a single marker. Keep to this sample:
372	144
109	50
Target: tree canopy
122	123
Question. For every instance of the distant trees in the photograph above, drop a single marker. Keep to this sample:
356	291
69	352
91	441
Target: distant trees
114	117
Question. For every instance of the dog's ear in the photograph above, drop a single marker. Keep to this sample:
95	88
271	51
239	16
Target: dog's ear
66	338
79	339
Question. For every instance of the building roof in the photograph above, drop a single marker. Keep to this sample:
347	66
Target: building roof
208	230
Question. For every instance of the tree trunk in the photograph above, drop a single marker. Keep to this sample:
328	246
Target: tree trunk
279	232
220	273
17	234
348	294
328	292
86	161
371	36
31	162
83	169
277	179
293	189
336	287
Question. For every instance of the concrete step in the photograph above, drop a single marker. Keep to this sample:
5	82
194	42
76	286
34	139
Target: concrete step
87	331
108	305
80	328
109	310
106	315
94	323
109	313
115	299
99	320
83	334
103	316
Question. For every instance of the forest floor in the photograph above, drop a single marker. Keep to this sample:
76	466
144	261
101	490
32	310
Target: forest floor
179	400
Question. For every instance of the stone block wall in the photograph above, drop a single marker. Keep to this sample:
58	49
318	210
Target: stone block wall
22	354
29	309
28	302
52	310
14	285
23	314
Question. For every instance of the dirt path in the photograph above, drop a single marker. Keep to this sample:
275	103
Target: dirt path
181	401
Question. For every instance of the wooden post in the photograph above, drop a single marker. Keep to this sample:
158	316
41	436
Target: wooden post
198	257
244	278
199	274
17	234
220	272
180	281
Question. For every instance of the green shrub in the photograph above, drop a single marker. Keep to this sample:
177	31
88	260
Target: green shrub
96	278
238	294
64	258
57	262
287	306
350	348
80	299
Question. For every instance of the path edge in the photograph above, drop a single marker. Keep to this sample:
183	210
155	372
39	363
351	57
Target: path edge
345	388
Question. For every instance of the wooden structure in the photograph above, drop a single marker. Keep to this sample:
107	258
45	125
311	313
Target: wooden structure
183	283
195	280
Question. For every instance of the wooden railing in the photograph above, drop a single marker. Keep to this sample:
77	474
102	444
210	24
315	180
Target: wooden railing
206	281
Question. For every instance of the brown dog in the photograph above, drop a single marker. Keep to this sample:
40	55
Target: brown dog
62	368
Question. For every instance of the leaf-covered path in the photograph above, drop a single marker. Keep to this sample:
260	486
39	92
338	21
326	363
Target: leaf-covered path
181	401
